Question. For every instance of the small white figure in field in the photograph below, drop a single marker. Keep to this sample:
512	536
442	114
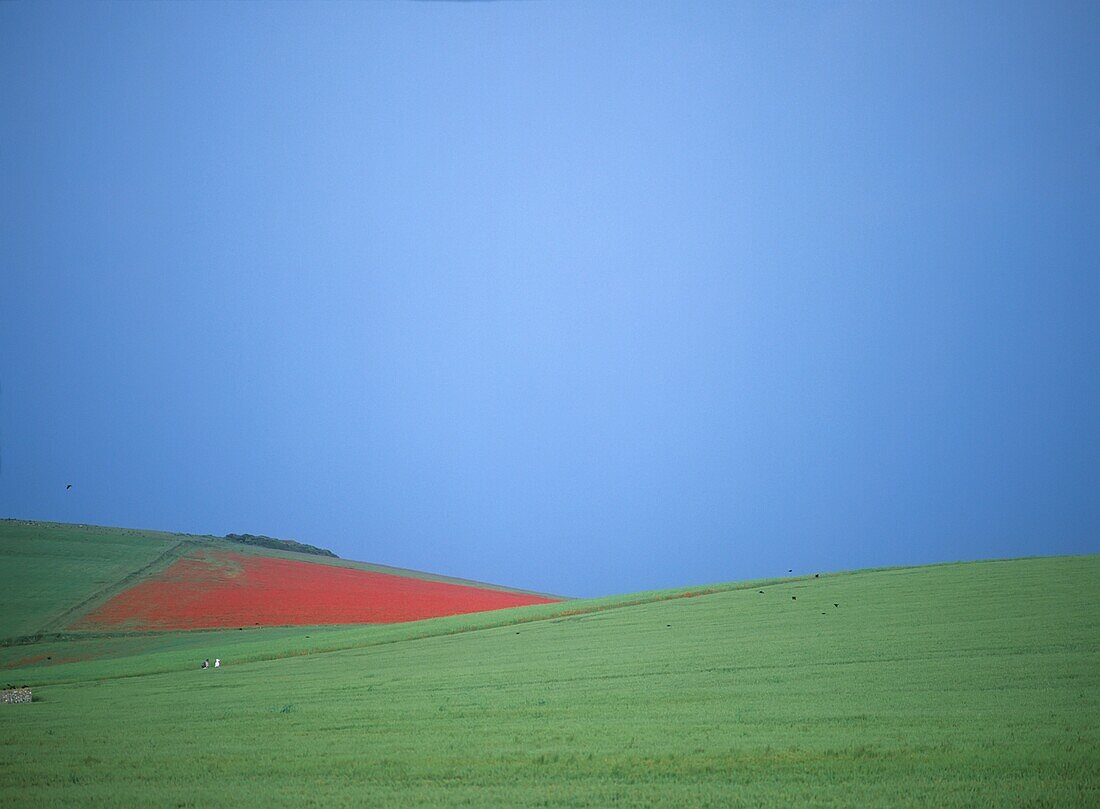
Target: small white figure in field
217	662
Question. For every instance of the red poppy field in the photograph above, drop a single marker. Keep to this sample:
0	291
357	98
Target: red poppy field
217	589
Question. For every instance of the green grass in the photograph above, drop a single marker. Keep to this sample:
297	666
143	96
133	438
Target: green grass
78	655
49	570
955	685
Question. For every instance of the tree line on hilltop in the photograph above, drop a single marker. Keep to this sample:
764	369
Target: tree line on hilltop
279	544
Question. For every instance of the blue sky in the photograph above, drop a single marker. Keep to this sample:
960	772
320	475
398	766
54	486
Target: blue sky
580	297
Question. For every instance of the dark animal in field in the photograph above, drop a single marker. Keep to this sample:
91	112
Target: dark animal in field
761	592
668	624
794	598
836	605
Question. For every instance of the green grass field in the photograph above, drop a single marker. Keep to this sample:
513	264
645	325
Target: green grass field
51	570
955	685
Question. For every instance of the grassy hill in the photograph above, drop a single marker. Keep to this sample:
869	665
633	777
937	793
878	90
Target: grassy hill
53	574
954	685
51	571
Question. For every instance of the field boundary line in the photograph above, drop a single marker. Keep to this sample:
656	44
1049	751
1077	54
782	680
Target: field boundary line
443	632
560	612
168	555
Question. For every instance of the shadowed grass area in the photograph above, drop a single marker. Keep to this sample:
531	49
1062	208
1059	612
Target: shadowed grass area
954	685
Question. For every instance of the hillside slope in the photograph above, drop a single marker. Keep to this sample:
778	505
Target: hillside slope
953	685
58	578
51	571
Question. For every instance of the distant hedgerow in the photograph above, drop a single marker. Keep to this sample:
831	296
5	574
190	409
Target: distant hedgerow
279	544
